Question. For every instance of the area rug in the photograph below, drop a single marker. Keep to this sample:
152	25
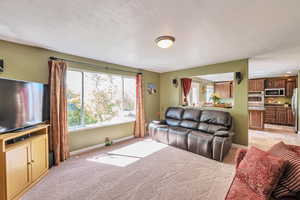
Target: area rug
136	170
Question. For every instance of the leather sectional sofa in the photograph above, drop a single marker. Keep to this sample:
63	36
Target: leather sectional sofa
204	132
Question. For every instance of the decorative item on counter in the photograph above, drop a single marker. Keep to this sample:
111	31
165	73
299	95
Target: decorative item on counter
286	104
215	98
108	142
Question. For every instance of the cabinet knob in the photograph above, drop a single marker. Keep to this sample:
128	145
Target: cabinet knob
29	163
32	161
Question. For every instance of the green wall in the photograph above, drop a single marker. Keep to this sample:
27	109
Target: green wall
170	96
298	86
30	64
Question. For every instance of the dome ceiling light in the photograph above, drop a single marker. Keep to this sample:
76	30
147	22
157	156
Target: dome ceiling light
165	41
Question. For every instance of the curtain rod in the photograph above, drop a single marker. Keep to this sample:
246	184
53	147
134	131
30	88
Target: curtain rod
93	65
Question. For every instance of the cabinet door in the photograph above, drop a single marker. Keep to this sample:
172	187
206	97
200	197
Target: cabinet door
256	119
281	116
251	85
290	86
290	117
223	89
270	115
270	83
227	90
231	89
260	85
39	156
280	83
18	175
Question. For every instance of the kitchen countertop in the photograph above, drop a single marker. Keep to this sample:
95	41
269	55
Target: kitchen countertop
276	105
256	108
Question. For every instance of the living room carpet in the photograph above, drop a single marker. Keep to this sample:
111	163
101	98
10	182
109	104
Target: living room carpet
136	170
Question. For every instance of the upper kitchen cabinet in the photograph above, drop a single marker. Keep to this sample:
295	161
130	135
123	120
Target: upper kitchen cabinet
290	86
275	83
256	85
223	89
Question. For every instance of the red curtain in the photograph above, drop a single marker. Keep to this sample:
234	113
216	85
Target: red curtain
186	84
58	111
139	127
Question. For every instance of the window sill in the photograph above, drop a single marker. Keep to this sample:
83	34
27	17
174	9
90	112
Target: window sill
107	124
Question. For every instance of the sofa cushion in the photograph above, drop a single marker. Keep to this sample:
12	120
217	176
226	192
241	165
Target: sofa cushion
289	183
216	117
191	114
189	124
174	113
200	143
260	171
173	122
240	191
211	128
178	137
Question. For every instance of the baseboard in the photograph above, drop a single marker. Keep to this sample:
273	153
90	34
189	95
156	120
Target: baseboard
239	146
83	150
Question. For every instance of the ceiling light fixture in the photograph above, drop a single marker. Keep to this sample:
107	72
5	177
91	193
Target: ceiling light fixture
289	72
165	41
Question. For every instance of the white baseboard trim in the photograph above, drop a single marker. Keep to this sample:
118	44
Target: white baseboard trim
83	150
239	146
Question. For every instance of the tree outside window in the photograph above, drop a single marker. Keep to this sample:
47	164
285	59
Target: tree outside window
98	98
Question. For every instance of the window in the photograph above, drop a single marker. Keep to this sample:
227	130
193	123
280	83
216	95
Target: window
193	96
209	92
99	99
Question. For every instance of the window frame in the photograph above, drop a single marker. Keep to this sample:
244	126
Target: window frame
208	98
82	125
191	93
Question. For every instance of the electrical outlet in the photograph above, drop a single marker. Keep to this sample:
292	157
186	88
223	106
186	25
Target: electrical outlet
1	66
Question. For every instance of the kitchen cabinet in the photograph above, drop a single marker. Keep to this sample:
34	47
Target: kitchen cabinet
279	115
223	89
270	115
276	83
256	85
290	117
279	83
256	119
290	86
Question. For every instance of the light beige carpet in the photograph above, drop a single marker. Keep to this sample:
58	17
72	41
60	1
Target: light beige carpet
166	173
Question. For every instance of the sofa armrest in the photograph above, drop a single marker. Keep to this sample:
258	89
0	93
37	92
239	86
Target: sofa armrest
224	134
239	156
159	122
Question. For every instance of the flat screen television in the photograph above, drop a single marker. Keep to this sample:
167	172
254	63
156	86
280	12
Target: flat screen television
22	104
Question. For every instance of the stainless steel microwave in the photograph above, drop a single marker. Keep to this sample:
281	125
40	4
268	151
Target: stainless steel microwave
275	92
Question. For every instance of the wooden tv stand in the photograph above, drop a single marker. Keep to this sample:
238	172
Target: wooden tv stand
23	163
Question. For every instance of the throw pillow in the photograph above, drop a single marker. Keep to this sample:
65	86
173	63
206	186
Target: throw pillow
289	184
260	171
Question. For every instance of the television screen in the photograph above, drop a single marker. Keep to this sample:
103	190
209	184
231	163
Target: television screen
22	104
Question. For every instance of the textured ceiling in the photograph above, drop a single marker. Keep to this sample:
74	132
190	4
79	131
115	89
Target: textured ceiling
123	31
275	63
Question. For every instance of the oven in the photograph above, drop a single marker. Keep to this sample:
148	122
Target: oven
256	98
275	92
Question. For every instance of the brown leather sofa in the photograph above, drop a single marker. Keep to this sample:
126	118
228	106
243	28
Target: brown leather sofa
204	132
